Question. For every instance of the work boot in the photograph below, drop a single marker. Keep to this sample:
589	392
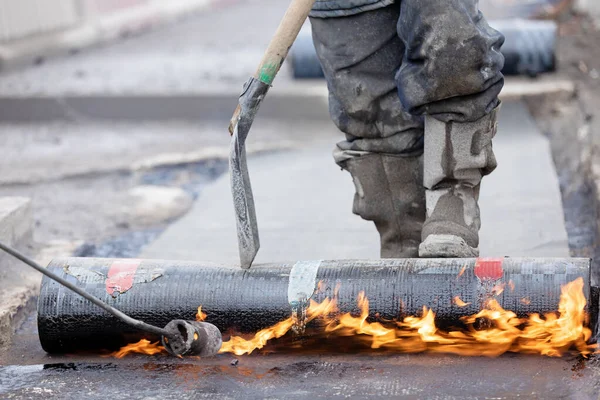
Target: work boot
457	156
390	193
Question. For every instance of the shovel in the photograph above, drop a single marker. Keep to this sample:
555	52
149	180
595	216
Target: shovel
255	90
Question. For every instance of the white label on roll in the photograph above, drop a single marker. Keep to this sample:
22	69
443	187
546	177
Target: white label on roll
303	280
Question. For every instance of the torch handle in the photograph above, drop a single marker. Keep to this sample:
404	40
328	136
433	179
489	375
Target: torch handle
122	316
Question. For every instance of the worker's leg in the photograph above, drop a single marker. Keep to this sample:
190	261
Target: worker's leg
451	75
360	56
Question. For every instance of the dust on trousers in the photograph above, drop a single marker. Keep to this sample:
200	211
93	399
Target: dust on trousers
401	75
388	67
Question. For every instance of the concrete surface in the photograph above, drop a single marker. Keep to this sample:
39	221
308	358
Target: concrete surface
494	9
34	49
155	204
206	50
53	151
521	209
15	214
97	207
304	203
18	284
589	6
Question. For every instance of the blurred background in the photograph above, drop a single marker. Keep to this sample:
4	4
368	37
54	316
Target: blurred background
113	113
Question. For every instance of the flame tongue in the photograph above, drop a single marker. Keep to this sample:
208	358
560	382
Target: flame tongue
200	315
239	345
144	346
490	332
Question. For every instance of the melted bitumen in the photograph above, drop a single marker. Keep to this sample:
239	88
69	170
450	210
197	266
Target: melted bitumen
306	376
289	374
128	245
197	175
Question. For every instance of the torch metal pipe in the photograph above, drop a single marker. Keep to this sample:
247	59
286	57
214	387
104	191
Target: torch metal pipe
120	315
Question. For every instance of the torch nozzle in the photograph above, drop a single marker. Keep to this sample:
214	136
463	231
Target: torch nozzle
192	338
179	337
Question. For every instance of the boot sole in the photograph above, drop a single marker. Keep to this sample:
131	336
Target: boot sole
446	246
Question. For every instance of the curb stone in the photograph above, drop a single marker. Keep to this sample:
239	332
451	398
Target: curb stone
299	101
18	285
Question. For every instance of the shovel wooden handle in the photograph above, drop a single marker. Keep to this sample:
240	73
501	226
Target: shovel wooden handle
283	39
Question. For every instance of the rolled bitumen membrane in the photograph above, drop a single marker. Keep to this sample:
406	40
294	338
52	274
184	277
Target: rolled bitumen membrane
245	301
529	48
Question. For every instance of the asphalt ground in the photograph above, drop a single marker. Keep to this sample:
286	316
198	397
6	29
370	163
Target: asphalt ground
28	373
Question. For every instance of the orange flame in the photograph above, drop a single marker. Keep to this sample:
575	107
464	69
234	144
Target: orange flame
238	345
498	289
511	285
144	346
458	301
551	335
490	332
200	315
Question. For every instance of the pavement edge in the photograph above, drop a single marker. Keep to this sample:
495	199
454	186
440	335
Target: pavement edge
19	286
298	101
567	121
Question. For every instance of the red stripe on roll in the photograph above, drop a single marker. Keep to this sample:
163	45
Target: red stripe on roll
120	276
489	268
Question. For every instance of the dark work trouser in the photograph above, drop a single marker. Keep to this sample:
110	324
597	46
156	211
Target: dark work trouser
388	68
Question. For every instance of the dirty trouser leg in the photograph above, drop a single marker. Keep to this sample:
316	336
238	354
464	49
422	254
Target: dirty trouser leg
458	155
360	56
451	74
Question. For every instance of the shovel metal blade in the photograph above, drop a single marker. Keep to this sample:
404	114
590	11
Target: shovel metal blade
241	189
243	202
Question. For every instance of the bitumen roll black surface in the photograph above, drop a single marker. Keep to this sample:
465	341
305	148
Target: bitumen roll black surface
246	301
529	49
